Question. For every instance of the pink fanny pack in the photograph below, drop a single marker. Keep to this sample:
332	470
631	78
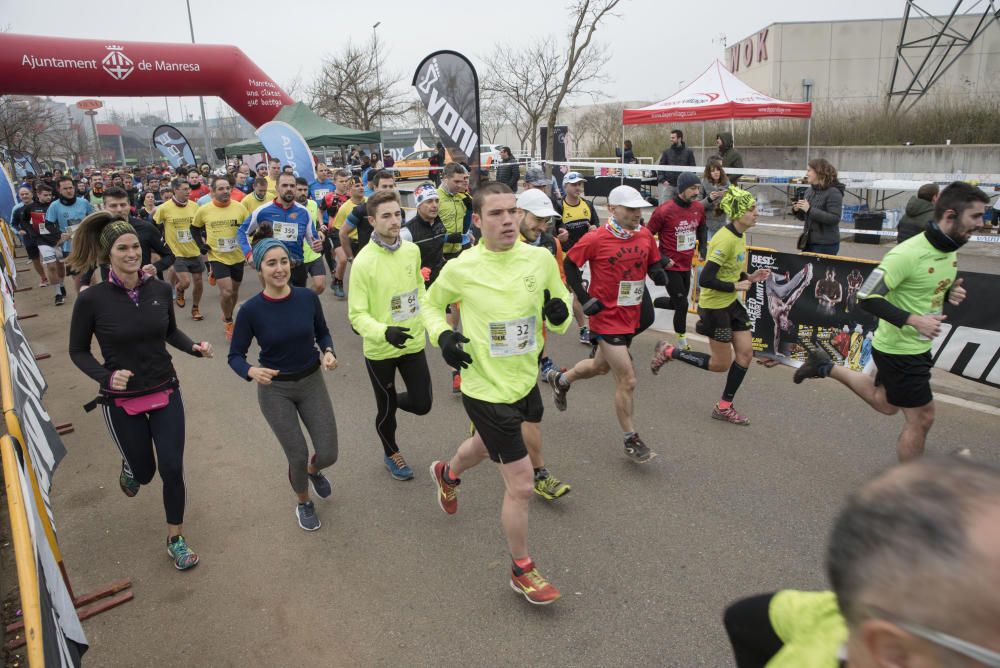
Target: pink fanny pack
146	403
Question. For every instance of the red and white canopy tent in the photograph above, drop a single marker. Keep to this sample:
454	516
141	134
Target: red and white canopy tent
718	94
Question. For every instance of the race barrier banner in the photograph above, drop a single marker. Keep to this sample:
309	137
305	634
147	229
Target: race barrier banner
448	87
174	146
8	196
812	299
31	452
284	142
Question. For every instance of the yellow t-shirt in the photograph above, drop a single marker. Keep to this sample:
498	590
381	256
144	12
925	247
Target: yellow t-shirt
176	223
342	213
251	203
220	224
308	254
272	189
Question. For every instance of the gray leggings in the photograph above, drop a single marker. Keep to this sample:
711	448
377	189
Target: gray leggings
283	403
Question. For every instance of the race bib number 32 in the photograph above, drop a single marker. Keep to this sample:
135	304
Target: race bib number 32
404	306
512	337
630	292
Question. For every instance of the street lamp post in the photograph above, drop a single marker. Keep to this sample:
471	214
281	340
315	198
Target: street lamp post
378	86
201	100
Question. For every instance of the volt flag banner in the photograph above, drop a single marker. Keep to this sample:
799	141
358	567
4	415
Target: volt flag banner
173	145
25	163
284	142
448	86
8	198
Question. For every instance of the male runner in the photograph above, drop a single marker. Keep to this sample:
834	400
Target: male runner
620	254
26	196
198	187
681	226
384	308
312	260
508	291
455	210
358	218
67	211
724	319
907	292
427	231
578	217
45	237
175	217
257	197
291	225
214	230
330	205
356	197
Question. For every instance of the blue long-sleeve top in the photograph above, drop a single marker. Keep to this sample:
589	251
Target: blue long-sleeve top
287	331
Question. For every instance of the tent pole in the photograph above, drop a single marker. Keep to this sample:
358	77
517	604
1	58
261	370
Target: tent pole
732	130
623	151
703	143
809	127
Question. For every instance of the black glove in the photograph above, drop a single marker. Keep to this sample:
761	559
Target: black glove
554	310
451	349
592	306
657	274
204	249
397	336
454	238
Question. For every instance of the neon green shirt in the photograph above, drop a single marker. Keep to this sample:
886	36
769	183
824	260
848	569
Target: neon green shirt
918	277
452	214
729	252
386	289
501	297
308	254
811	627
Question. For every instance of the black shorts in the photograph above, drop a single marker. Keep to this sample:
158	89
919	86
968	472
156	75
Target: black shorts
499	425
611	339
316	267
32	250
720	323
906	378
223	270
355	247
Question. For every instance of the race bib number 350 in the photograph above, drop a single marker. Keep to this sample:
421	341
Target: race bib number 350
512	337
404	306
630	292
285	231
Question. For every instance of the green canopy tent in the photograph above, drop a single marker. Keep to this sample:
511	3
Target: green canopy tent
316	130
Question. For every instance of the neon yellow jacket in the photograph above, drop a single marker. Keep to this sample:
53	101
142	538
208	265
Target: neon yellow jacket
386	289
501	296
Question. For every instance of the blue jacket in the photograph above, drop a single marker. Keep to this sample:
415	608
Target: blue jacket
278	216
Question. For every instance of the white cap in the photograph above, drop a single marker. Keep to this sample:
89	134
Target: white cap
627	196
537	203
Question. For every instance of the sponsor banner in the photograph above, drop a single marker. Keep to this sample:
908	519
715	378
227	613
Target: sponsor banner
174	146
284	142
812	300
25	163
448	87
8	196
559	150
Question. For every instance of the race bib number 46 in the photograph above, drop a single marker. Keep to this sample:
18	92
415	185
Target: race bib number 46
630	292
404	306
512	337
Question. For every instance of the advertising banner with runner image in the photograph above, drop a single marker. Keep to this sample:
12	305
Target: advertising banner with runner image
173	145
809	298
448	87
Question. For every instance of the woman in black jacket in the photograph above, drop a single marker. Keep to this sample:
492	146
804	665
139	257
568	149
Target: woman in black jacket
821	209
133	318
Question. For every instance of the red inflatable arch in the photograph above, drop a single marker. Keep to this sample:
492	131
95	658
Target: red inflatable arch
31	65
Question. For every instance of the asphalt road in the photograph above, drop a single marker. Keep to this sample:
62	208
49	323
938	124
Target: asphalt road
646	557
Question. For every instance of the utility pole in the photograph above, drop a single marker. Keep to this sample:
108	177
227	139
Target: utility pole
201	100
378	85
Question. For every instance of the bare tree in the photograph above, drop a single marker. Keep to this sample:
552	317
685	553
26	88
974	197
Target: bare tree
600	127
352	90
583	60
492	118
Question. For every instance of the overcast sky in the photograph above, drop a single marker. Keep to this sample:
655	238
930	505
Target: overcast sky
654	44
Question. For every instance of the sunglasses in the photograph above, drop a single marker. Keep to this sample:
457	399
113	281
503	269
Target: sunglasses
985	656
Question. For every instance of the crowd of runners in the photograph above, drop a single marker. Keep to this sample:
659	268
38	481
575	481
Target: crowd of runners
486	277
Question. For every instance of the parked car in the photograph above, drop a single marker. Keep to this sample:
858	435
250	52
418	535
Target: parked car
417	164
488	154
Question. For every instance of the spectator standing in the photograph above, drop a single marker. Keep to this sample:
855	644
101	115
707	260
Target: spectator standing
677	154
714	183
820	209
919	212
628	155
730	156
508	171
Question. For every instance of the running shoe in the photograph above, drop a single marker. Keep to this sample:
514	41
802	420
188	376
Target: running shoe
547	364
228	326
550	487
129	485
456	382
183	556
181	302
320	484
211	277
196	313
817	365
585	336
661	355
338	289
398	468
528	582
636	450
558	391
682	343
44	283
447	494
306	514
60	299
730	415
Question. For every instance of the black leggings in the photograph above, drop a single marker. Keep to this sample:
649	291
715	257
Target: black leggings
136	437
417	398
748	624
647	314
678	287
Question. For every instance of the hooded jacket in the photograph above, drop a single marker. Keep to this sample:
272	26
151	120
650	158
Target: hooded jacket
918	213
679	155
823	218
730	156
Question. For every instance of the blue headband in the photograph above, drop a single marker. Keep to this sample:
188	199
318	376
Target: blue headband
261	248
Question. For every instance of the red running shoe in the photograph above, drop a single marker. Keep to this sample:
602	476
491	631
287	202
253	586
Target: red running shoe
730	415
447	494
532	585
456	383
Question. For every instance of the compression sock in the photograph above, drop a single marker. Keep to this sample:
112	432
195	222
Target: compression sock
691	357
733	381
541	473
447	477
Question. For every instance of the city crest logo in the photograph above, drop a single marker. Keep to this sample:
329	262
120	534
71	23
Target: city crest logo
116	63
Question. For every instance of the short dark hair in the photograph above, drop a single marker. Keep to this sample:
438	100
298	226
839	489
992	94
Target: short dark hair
381	175
179	182
216	179
114	192
274	160
679	133
301	181
958	196
277	179
42	188
485	190
378	199
63	179
453	168
927	191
